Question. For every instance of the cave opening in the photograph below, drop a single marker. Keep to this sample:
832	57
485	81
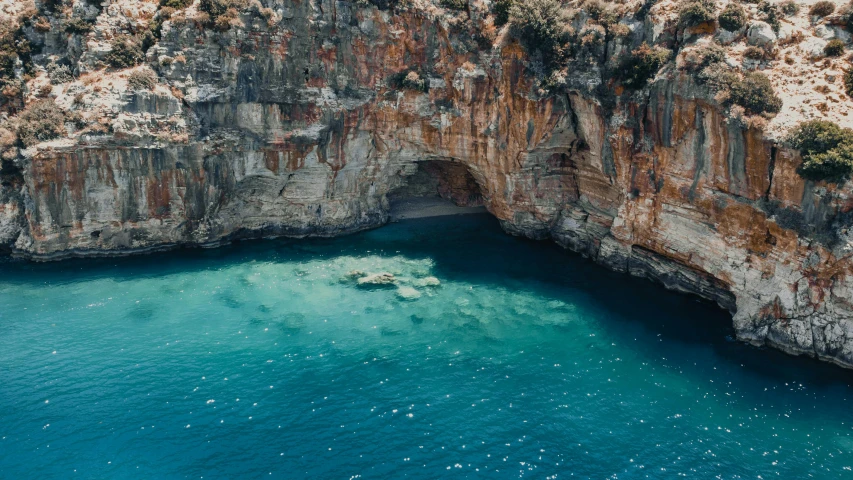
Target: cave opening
436	188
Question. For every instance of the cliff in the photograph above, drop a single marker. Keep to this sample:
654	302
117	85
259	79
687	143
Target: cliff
302	119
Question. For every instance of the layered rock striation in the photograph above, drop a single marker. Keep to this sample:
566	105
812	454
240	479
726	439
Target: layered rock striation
303	126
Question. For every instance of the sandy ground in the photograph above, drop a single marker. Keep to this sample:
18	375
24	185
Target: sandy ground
428	207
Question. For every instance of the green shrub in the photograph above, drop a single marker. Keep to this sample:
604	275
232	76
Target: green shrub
827	150
217	8
818	136
544	26
752	91
14	46
822	8
455	4
790	7
223	14
719	77
148	39
176	4
834	48
40	122
848	82
143	79
603	14
59	74
755	93
380	4
694	12
733	17
643	64
832	166
125	53
51	5
77	25
501	10
770	14
697	59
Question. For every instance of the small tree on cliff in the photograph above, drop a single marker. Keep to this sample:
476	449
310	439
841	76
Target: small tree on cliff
543	26
643	64
40	122
695	12
827	150
125	52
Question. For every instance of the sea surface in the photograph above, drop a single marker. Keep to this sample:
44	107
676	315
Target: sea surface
266	359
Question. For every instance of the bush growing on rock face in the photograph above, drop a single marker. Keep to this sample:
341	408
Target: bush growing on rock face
501	10
643	64
718	76
733	17
222	14
697	59
543	26
380	4
604	15
834	48
77	25
143	79
832	166
40	122
752	91
14	47
755	93
695	12
125	53
827	150
848	82
59	74
176	4
455	4
51	5
790	7
818	136
822	9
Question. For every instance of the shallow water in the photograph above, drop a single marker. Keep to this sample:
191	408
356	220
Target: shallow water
266	360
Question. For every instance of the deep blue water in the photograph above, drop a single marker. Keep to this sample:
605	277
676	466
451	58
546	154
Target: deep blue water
265	360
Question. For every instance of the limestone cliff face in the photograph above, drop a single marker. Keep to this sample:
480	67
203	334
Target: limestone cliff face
302	130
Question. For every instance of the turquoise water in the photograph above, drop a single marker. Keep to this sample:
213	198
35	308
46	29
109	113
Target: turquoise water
266	359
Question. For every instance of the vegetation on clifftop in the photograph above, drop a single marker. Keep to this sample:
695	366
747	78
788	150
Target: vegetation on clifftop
125	52
643	64
42	121
826	148
544	26
733	17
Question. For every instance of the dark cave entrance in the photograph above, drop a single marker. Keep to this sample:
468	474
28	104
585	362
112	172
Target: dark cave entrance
436	188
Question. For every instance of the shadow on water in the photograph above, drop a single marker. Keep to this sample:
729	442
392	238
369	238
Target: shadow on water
472	249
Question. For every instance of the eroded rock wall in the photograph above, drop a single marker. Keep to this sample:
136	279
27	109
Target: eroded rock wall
302	130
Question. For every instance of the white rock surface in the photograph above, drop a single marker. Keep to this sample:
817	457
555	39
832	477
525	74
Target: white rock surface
760	34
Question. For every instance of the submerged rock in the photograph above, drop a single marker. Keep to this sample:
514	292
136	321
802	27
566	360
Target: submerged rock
427	282
383	278
408	293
